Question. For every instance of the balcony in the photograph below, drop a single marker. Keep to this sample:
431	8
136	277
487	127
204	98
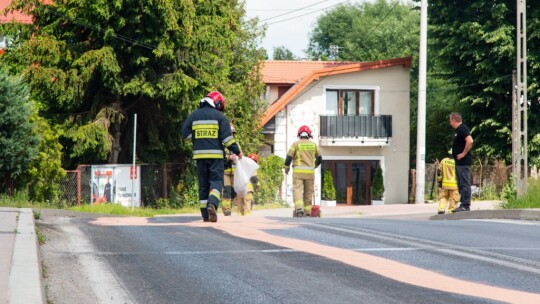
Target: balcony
359	130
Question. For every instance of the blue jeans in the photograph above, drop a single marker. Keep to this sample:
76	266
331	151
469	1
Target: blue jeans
464	184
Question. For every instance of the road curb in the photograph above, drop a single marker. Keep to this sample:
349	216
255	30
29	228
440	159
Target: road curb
513	214
25	281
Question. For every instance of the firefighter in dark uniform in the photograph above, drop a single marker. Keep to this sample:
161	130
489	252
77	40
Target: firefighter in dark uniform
210	132
305	157
228	179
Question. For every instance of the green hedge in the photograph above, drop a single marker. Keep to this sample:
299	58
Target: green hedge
271	176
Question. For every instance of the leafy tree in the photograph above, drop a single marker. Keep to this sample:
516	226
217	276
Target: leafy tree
367	31
93	64
18	135
474	44
283	53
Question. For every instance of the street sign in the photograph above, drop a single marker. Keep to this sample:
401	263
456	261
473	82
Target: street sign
133	172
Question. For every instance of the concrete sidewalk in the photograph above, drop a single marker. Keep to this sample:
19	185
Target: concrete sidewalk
20	267
479	210
420	211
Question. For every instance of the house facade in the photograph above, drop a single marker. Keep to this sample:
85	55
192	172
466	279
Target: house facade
359	116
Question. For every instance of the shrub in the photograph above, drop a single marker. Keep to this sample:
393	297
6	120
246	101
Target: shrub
270	178
187	191
378	185
509	190
328	190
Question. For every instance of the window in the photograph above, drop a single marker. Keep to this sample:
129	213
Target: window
332	102
350	102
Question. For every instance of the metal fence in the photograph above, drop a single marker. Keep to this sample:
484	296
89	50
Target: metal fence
156	182
487	181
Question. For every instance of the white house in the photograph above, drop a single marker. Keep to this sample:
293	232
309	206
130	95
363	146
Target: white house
359	115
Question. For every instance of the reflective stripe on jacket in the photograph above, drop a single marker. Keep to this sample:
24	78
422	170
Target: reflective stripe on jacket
448	173
210	132
304	153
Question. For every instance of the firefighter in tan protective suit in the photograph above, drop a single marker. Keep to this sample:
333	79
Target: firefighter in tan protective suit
228	179
448	192
244	201
305	157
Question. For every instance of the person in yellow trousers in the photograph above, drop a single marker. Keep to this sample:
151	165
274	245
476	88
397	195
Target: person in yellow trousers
228	179
244	200
305	157
448	192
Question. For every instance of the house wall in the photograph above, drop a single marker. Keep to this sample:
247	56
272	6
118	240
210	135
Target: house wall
392	98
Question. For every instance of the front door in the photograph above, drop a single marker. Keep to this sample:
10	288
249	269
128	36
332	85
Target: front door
352	180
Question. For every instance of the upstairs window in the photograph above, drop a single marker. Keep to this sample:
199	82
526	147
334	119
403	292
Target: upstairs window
350	102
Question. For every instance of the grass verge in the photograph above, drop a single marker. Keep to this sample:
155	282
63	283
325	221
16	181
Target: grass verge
530	200
116	209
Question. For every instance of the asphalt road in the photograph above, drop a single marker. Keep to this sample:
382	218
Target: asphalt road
285	260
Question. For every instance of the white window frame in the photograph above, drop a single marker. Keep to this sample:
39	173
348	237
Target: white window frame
375	89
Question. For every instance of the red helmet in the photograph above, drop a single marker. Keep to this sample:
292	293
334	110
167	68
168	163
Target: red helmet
254	157
305	129
218	99
233	129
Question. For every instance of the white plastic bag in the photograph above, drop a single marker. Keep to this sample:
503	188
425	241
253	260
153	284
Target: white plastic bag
245	167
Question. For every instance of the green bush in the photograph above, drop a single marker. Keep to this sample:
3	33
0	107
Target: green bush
509	190
45	172
378	185
530	200
328	190
488	192
270	175
187	191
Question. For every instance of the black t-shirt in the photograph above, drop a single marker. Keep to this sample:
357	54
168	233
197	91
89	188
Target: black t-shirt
459	144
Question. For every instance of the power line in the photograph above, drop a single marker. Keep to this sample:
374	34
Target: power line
298	16
342	62
299	9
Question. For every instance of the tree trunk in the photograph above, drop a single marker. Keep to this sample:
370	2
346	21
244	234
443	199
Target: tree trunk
116	147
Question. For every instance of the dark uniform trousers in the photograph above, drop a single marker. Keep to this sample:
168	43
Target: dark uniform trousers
210	173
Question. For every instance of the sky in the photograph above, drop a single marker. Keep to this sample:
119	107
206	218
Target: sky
292	28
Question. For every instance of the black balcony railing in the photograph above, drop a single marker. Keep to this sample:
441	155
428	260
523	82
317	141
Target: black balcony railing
379	126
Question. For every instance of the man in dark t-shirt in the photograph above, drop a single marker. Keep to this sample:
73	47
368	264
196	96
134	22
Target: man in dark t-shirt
463	142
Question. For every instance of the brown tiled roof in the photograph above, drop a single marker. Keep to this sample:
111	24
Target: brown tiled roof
290	72
16	16
316	74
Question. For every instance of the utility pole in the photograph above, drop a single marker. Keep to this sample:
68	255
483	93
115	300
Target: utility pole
520	104
421	125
